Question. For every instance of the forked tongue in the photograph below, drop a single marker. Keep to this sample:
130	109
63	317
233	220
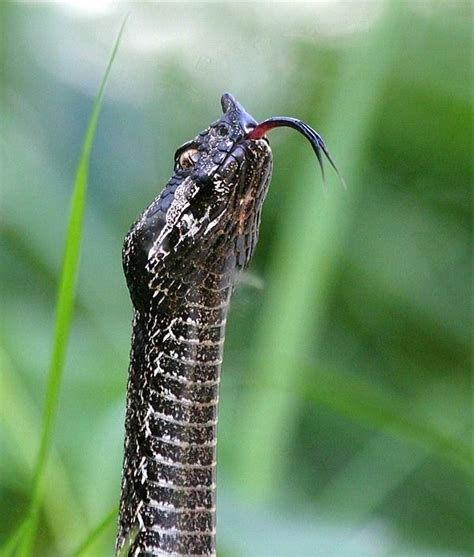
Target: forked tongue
317	142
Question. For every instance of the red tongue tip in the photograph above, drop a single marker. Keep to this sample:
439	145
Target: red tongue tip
317	142
259	131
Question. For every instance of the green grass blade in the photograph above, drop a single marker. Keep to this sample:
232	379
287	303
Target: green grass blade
389	462
96	532
311	238
127	544
65	305
20	427
358	400
11	544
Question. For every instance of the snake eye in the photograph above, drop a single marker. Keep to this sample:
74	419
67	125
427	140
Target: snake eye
187	158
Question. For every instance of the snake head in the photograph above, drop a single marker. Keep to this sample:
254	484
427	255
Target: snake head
206	219
207	216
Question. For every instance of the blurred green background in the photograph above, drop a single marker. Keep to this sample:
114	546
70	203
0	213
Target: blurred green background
345	418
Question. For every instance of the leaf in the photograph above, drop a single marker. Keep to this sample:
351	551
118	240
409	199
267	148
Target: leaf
95	534
364	403
65	307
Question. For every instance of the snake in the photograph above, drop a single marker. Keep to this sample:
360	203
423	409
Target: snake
182	258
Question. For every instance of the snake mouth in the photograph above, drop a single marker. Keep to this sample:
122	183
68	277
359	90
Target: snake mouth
253	131
317	142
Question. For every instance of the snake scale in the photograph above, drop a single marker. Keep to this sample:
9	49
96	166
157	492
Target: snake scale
181	259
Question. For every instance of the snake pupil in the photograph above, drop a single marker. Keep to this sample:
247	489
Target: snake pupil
188	158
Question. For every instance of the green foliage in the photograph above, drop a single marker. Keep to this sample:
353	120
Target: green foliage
345	418
64	313
110	518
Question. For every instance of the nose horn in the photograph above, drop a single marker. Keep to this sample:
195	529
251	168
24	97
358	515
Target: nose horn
229	104
235	111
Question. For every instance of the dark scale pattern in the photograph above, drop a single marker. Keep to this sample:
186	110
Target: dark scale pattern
181	259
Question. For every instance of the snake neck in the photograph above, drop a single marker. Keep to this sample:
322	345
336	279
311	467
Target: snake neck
169	473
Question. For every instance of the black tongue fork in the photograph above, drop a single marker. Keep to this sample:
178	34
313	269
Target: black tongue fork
317	142
254	130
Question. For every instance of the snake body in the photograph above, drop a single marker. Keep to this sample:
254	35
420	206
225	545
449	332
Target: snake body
181	259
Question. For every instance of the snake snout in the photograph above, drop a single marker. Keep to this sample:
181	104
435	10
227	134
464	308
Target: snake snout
236	112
